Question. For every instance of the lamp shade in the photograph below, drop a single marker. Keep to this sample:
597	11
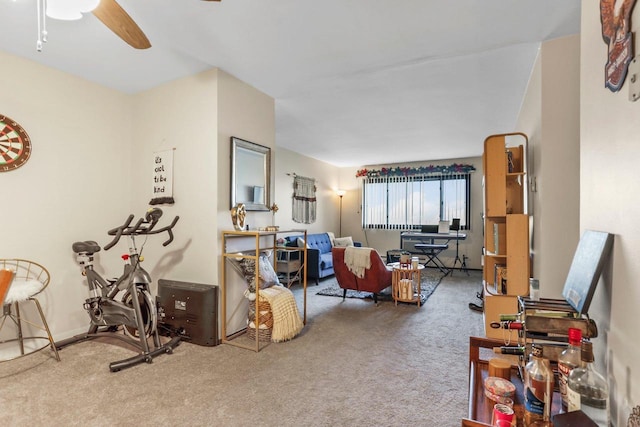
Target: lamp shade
341	192
70	10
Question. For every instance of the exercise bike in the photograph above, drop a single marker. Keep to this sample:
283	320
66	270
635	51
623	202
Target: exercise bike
123	308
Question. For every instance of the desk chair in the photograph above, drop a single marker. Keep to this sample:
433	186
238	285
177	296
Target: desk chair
20	282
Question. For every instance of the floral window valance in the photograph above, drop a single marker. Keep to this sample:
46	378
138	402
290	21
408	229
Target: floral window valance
421	170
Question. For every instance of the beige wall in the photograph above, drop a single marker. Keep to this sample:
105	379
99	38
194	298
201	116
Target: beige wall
75	185
550	117
248	114
609	201
327	179
92	166
180	115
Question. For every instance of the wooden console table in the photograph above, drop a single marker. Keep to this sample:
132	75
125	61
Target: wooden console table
481	407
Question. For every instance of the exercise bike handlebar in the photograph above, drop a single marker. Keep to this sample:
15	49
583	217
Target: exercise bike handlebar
144	226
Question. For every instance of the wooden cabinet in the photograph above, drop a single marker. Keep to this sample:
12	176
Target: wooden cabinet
506	260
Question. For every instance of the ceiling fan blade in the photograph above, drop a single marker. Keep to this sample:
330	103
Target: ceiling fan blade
117	20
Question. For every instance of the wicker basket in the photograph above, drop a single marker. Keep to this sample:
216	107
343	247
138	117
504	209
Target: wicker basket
264	334
265	321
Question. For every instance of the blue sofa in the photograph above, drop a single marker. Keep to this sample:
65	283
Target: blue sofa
320	260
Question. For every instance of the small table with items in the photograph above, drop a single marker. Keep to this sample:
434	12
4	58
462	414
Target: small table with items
288	265
405	282
480	406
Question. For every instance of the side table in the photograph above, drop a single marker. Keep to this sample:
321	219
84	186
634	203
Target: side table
288	267
404	275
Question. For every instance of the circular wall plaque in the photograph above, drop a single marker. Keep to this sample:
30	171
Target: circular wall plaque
15	145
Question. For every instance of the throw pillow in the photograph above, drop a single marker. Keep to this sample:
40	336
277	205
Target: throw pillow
343	242
332	237
301	243
266	274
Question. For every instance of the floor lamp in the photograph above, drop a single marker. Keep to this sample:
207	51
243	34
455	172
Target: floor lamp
340	194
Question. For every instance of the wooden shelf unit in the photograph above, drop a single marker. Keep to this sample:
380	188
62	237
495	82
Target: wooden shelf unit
506	257
258	246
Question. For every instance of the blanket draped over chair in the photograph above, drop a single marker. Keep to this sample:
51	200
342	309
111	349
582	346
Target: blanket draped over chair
374	278
357	260
287	322
6	277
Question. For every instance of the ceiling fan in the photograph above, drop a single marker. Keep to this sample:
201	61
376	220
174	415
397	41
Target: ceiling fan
118	20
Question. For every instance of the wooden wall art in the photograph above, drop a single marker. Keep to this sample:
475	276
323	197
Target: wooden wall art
615	16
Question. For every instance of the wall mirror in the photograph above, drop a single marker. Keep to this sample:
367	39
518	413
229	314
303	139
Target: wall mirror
250	175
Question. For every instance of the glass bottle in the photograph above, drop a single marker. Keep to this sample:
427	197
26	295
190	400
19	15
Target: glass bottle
538	384
568	359
587	390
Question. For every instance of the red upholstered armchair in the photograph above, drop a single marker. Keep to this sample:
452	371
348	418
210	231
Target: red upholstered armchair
375	279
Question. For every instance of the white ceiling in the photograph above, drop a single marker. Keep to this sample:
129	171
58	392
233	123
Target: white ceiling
356	82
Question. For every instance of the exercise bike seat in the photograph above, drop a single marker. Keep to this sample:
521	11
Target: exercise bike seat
89	247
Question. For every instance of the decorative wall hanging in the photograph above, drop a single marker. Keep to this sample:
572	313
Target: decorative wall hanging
162	192
616	25
407	171
15	145
304	200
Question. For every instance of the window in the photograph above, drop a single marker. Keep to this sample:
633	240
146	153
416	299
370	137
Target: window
405	202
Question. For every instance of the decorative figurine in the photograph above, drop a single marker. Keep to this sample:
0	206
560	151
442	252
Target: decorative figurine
238	214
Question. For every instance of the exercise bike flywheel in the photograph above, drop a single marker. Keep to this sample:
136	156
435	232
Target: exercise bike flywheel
148	311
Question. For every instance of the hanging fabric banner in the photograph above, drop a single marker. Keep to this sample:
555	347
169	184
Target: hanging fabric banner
304	200
162	187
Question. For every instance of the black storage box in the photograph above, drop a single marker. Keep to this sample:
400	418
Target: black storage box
190	309
393	255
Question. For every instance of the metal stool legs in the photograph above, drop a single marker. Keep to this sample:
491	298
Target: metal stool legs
17	318
27	279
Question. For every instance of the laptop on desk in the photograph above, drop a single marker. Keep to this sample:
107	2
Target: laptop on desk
441	228
429	229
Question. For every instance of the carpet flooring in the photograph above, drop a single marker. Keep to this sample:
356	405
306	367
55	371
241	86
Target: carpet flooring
354	364
429	281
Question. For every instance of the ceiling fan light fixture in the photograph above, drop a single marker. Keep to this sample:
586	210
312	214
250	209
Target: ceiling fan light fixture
70	10
87	6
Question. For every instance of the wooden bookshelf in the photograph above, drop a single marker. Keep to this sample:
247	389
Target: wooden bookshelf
506	267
